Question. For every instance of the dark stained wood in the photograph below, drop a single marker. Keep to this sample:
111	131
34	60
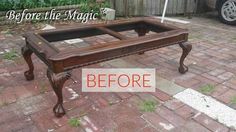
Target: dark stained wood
57	81
186	47
26	52
60	63
141	31
98	53
113	33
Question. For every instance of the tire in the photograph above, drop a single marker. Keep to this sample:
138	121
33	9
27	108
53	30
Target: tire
227	11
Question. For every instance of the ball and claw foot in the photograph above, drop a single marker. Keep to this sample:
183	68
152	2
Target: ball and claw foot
183	69
29	76
26	53
186	47
59	110
57	81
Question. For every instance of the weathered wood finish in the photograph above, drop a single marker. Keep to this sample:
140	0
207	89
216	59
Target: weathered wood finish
152	7
186	49
57	81
60	63
26	52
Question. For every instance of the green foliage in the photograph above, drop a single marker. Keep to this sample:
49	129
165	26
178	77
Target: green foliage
111	103
207	89
233	100
148	106
92	5
234	38
22	4
74	122
11	55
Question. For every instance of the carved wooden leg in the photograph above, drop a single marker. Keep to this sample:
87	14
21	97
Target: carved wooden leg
141	32
26	52
57	81
186	47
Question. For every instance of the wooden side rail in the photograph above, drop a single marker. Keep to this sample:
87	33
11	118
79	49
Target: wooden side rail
61	63
113	33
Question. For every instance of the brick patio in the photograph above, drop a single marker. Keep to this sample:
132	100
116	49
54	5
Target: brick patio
27	106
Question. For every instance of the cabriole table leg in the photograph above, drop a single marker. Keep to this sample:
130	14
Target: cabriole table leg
57	81
141	32
26	52
186	47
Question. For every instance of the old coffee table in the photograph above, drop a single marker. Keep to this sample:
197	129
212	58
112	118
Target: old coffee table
60	63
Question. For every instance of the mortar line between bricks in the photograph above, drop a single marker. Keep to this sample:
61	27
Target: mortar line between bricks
189	105
207	127
209	106
202	125
192	117
149	123
221	94
146	126
34	123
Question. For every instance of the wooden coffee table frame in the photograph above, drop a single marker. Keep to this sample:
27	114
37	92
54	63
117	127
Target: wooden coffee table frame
60	63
